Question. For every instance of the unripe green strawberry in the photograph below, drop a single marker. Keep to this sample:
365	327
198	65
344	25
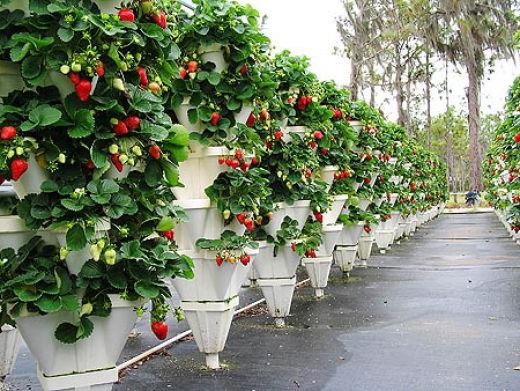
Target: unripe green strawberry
63	253
65	69
62	158
19	151
110	257
136	150
86	309
123	158
95	252
226	214
76	67
118	84
10	153
113	149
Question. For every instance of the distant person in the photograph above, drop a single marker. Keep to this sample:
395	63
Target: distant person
472	198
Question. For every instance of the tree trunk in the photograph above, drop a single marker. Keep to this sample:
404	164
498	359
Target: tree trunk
475	170
354	75
428	100
398	85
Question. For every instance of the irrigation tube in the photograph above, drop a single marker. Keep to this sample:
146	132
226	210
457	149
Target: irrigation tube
186	333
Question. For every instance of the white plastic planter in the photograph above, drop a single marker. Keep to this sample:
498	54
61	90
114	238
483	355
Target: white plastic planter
345	256
299	211
214	54
393	161
364	203
327	175
350	234
9	345
283	265
210	323
76	259
399	231
276	220
244	113
393	198
31	180
278	293
98	352
13	232
299	130
408	226
330	238
199	172
318	270
181	112
366	241
204	221
9	71
373	179
357	125
212	283
114	174
384	238
379	201
413	224
331	216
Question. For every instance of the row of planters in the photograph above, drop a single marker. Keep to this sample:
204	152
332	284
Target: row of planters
148	147
502	166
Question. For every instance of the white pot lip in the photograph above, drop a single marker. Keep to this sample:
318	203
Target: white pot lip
12	224
322	259
296	128
9	68
340	197
209	255
101	225
329	168
194	203
298	204
355	122
332	228
209	48
208	152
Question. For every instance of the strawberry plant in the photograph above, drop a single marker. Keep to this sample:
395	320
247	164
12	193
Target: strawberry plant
229	248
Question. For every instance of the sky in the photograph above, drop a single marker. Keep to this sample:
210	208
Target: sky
305	28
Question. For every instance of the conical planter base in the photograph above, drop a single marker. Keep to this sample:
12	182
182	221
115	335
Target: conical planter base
330	238
351	234
100	351
278	293
299	211
399	232
204	221
384	238
276	220
210	323
283	265
199	172
365	248
331	217
344	257
407	227
101	380
318	270
364	203
9	345
13	232
212	283
31	180
181	112
327	175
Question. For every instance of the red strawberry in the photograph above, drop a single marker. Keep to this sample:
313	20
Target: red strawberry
264	115
308	100
215	117
251	120
2	179
302	103
254	161
293	247
74	78
239	154
100	69
308	173
18	167
160	329
243	69
517	138
193	66
312	144
318	216
278	134
245	166
241	217
115	161
8	133
143	78
83	89
89	165
170	234
126	15
120	128
250	224
221	160
234	164
324	151
219	261
183	73
318	135
367	228
367	181
160	19
245	259
132	122
290	100
155	152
